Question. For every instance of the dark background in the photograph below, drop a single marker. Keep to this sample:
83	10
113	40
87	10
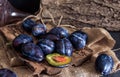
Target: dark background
30	6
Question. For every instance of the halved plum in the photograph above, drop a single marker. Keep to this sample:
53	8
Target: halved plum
58	60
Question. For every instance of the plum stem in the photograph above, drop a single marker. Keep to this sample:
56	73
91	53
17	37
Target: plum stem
40	15
42	21
41	11
60	20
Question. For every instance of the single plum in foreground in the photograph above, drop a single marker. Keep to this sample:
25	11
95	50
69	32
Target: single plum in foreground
38	30
104	64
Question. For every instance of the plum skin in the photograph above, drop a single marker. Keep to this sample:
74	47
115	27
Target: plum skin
104	64
46	45
64	47
38	30
50	37
32	52
51	59
7	73
78	39
21	39
28	24
59	32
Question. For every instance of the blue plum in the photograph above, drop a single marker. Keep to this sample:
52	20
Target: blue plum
50	37
28	24
38	30
59	32
21	39
78	39
32	52
46	45
104	64
7	73
64	47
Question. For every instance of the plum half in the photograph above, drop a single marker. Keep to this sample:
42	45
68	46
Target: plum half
58	60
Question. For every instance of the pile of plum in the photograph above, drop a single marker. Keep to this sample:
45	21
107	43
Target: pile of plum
55	46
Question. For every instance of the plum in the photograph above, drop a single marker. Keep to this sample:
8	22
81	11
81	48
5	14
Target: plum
59	32
7	73
64	47
32	52
78	39
38	30
104	64
28	24
21	39
46	45
50	37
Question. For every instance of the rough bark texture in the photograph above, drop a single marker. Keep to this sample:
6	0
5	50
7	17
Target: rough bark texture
81	13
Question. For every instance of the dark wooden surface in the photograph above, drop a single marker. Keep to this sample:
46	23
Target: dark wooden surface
116	36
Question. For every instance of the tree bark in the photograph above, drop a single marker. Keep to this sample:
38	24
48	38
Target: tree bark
82	13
